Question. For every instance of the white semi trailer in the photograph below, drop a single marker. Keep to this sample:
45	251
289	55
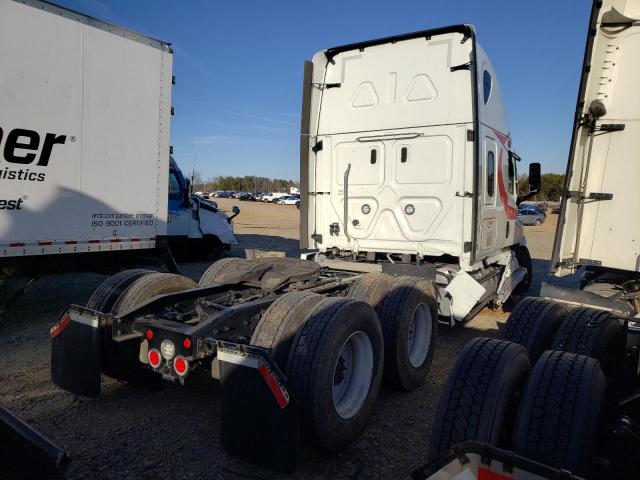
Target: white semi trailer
559	393
85	171
407	162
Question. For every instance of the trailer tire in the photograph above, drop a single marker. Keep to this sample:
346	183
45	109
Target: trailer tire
210	275
120	360
480	398
280	323
340	341
371	288
559	414
409	318
594	333
533	323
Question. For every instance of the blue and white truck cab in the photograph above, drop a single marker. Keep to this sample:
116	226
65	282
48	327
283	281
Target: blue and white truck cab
194	219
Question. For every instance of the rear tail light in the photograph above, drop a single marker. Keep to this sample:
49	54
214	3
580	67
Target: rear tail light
149	334
186	343
181	365
154	357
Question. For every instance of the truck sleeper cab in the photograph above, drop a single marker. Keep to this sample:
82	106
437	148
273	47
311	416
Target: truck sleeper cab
406	157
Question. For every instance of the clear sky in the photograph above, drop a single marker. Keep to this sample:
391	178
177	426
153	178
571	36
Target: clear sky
239	67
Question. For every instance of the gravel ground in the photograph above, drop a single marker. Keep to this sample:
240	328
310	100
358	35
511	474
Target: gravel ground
174	432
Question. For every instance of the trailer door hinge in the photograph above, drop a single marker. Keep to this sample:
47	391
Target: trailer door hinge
597	196
471	136
463	66
317	147
327	86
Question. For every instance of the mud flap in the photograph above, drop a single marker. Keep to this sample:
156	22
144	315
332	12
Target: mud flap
76	342
26	453
260	418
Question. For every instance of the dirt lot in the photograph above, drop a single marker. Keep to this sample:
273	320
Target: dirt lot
173	433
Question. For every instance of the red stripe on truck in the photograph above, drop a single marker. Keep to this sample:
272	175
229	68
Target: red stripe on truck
16	244
70	242
45	242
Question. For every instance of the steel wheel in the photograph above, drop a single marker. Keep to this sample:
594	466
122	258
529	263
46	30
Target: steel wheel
352	374
420	334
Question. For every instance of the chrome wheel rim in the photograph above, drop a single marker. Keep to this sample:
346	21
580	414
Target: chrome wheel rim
420	334
352	375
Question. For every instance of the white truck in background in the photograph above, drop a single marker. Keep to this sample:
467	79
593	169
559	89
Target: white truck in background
407	162
564	377
85	168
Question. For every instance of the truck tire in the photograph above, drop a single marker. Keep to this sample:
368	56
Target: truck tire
533	323
371	288
559	414
149	286
480	397
280	323
335	369
105	296
103	300
594	333
210	275
120	360
409	319
524	260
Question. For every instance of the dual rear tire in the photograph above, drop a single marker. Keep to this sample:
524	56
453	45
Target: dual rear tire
331	350
119	294
559	403
335	351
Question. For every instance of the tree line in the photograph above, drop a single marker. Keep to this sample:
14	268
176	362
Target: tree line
550	187
247	183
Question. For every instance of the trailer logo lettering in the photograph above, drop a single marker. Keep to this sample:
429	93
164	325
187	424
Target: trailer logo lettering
11	204
22	147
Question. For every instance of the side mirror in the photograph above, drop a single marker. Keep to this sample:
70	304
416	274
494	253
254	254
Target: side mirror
535	182
235	210
535	179
187	194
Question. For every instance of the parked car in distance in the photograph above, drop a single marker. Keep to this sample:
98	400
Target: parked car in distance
289	200
529	216
534	208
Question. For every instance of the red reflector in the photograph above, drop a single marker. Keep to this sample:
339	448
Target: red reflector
59	327
115	240
154	358
44	243
279	395
149	334
16	244
186	343
70	242
94	241
180	365
484	474
135	239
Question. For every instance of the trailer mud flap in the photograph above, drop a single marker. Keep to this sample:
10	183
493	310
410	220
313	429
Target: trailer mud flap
76	342
26	453
260	418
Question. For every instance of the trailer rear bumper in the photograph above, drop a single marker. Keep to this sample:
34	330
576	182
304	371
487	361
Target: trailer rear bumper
480	461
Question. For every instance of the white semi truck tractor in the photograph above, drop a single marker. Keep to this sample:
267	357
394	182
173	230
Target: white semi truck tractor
407	165
85	171
409	197
559	394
